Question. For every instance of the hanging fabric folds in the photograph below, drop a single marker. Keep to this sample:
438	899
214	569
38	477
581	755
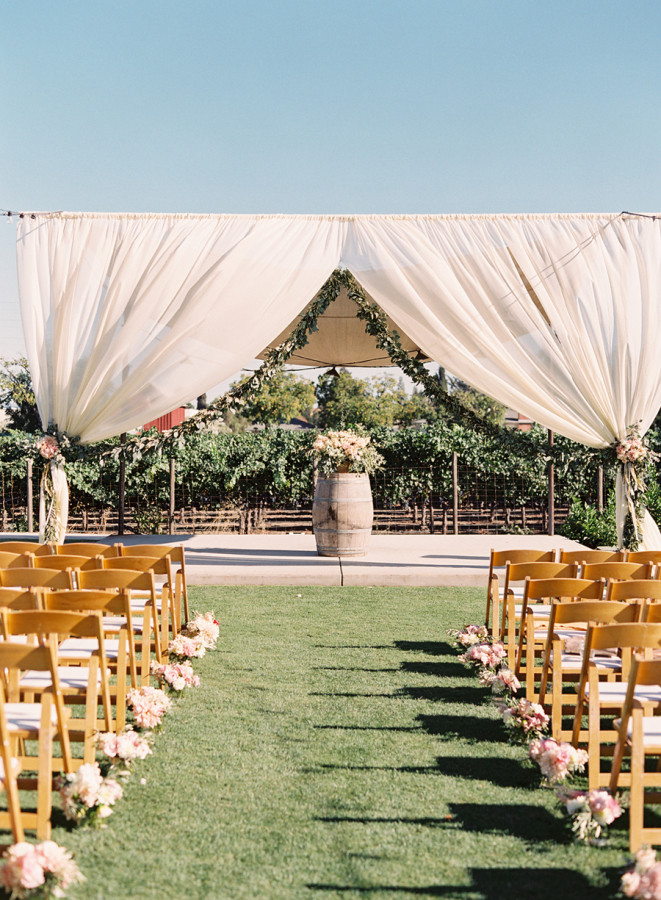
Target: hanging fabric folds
558	316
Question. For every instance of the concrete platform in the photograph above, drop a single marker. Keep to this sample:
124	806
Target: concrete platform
291	559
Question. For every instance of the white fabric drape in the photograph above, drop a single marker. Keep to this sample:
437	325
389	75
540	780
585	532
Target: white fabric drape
126	316
559	317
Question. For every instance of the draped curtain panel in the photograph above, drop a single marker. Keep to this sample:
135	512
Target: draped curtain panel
558	316
128	316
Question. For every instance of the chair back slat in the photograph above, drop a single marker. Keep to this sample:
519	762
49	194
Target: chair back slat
617	570
28	578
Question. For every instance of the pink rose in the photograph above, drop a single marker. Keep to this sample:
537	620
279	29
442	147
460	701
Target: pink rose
22	868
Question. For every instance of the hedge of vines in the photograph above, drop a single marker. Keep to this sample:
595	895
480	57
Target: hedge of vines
276	467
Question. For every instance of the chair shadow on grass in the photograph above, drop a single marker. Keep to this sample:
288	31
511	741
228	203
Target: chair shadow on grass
471	728
507	773
494	884
433	648
469	693
453	669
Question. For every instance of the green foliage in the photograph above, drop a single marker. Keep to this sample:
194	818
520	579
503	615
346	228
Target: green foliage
17	394
588	526
281	398
486	407
275	467
348	402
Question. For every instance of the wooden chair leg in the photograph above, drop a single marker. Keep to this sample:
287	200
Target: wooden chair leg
45	771
637	789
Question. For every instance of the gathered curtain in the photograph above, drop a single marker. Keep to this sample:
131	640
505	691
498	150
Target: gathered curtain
557	316
127	316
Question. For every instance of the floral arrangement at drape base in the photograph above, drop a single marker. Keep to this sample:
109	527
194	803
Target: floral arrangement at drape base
635	527
53	493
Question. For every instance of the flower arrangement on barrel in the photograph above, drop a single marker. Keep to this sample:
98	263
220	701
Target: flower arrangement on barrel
345	451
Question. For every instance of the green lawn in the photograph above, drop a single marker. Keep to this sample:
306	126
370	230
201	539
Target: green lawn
337	749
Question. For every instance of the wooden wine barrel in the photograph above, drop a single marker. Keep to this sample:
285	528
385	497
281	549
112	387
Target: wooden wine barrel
342	514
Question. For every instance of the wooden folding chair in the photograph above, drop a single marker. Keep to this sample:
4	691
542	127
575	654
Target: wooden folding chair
41	721
144	619
617	571
588	557
36	578
17	598
63	563
10	769
9	560
608	696
637	556
177	557
640	733
499	560
120	651
534	618
643	589
86	548
515	580
25	547
80	683
162	567
563	653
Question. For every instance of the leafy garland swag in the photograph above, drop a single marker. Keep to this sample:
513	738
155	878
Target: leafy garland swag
375	324
632	454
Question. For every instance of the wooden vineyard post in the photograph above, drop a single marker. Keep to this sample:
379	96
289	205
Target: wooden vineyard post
122	488
551	519
455	492
30	501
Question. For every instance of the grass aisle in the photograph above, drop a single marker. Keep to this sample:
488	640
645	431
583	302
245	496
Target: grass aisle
337	749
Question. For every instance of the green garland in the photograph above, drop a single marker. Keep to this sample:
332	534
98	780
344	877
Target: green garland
274	363
376	324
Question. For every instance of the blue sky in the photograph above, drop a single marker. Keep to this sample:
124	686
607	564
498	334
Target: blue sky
372	106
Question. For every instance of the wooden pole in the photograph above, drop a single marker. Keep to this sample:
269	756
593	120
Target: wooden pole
455	492
122	488
551	519
171	509
30	497
600	489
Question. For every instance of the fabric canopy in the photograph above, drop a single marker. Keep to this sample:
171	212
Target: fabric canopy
341	339
558	316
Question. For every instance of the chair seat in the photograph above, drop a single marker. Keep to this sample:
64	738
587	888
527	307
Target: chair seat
71	678
573	662
26	716
73	648
542	610
612	693
16	769
651	731
115	623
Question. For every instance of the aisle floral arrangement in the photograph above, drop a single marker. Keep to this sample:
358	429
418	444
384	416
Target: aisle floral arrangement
89	794
527	722
88	797
347	451
38	870
643	880
591	811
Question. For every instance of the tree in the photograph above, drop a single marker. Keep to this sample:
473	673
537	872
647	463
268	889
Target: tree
479	403
283	397
345	402
17	394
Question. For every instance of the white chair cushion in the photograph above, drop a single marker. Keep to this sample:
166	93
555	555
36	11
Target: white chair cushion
71	678
74	648
26	716
612	693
